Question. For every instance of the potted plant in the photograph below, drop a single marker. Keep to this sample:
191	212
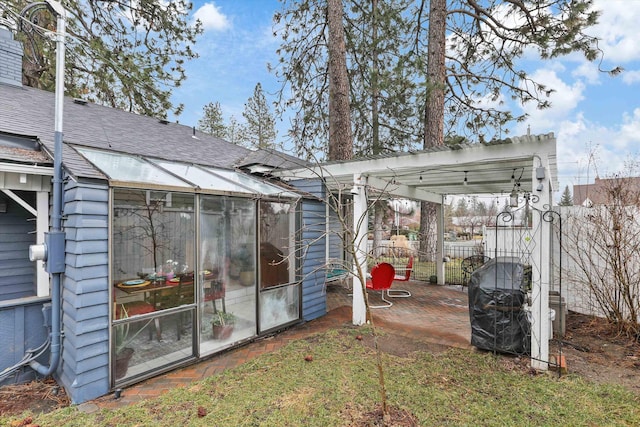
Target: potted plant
222	325
242	266
123	353
123	336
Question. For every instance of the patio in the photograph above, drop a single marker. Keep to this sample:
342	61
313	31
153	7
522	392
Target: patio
434	313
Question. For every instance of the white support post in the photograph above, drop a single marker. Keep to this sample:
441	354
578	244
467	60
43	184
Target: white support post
360	227
540	281
440	243
42	225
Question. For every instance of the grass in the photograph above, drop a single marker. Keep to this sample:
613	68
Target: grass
455	387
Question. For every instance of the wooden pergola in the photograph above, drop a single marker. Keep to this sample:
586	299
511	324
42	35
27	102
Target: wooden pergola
525	164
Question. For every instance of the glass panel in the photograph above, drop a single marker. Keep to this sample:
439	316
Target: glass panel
277	244
279	306
153	240
153	253
128	168
148	344
227	268
259	187
203	178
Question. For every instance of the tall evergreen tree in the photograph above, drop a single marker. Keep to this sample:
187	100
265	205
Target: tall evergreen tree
382	85
471	47
485	40
566	199
462	207
234	131
260	129
122	54
212	121
340	136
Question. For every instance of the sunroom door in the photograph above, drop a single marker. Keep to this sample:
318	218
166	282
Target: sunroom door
279	290
227	272
153	247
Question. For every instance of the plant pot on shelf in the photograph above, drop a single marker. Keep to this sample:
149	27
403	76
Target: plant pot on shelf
122	361
247	278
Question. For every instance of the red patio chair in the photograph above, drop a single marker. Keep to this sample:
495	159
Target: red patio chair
214	290
381	278
402	293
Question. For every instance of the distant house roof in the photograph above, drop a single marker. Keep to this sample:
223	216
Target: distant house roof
602	190
29	111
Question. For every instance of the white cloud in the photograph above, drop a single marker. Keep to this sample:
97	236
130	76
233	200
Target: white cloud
618	29
564	101
588	71
631	77
630	131
486	102
212	18
586	150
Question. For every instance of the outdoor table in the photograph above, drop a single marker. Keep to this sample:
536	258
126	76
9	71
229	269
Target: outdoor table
148	288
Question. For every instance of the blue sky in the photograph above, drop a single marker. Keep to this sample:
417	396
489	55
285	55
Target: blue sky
595	117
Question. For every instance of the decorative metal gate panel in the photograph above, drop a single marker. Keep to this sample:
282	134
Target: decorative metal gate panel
505	293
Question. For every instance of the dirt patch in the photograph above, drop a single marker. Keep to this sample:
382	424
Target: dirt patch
36	396
396	417
595	351
399	345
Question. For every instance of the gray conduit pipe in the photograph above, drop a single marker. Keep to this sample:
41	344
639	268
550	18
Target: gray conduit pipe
55	243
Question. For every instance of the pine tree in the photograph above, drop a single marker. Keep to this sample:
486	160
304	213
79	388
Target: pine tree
471	49
126	55
212	121
235	131
384	108
340	136
566	199
260	129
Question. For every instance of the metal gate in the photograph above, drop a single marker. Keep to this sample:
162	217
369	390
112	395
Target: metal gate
504	293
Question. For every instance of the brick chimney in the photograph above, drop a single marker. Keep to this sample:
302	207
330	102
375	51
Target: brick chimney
10	58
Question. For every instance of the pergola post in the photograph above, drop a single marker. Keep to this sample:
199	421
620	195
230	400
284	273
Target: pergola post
540	282
360	227
440	243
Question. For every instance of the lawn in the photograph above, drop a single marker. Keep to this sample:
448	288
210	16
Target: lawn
339	386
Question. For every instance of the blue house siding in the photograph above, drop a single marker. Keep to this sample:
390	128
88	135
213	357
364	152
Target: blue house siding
85	295
21	318
314	301
21	328
17	233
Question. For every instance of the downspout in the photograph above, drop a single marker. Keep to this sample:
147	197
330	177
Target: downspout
55	239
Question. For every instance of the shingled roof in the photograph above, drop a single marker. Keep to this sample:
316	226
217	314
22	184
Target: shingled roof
29	111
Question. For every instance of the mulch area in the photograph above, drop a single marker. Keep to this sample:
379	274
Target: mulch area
37	396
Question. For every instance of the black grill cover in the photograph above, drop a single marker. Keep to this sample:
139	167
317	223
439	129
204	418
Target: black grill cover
496	298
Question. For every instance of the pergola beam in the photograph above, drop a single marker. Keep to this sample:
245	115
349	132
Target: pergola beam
402	191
